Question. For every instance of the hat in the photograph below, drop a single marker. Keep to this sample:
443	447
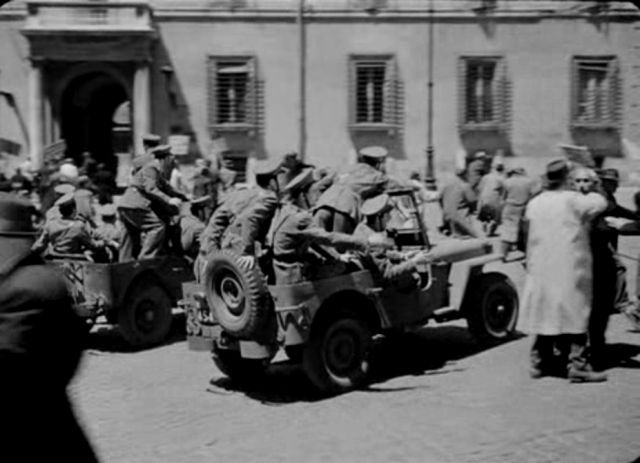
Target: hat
300	181
479	155
375	152
611	175
376	205
151	139
15	216
66	200
268	168
161	151
557	170
64	188
516	170
108	210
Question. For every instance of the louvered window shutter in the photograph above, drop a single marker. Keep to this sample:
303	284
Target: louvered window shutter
616	98
251	96
390	93
574	97
463	94
504	96
352	100
211	91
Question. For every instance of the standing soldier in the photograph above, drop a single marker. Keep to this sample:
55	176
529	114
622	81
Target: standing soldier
205	190
298	252
476	170
147	207
518	190
338	207
243	219
458	201
490	198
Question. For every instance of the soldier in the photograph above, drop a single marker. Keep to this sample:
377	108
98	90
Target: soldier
147	206
299	251
458	201
386	266
67	234
205	190
84	200
243	218
150	141
518	190
59	191
490	198
338	207
190	230
476	170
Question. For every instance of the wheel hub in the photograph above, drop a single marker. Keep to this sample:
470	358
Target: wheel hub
231	294
341	352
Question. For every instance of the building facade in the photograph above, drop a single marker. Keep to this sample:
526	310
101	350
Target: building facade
249	79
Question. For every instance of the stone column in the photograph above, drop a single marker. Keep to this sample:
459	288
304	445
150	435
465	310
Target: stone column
141	105
36	114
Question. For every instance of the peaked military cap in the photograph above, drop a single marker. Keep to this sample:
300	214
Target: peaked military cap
300	181
375	152
376	205
151	138
161	151
268	168
66	200
64	188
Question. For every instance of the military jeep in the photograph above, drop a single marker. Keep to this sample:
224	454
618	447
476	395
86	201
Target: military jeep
327	325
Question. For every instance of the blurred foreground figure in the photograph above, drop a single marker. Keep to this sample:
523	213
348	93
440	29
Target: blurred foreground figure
40	347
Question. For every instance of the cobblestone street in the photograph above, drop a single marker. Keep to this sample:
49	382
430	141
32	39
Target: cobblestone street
437	396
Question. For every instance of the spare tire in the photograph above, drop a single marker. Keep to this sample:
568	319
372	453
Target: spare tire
238	296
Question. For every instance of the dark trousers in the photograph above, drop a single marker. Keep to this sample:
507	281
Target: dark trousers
559	353
332	220
605	282
136	223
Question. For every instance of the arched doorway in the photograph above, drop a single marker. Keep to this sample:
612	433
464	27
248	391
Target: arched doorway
88	106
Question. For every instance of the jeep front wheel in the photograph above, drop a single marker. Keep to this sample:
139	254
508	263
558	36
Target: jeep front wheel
336	358
492	307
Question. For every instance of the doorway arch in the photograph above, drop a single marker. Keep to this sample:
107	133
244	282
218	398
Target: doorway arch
88	103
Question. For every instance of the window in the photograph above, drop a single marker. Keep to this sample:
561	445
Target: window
596	92
483	93
233	93
374	92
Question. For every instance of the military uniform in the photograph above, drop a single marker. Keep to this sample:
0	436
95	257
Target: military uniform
297	251
190	230
66	235
145	208
518	190
338	207
457	201
490	198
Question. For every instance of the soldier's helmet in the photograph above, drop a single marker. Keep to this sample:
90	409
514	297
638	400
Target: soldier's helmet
377	153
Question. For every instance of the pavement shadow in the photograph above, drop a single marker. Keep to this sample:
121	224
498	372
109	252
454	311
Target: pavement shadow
621	355
428	351
107	338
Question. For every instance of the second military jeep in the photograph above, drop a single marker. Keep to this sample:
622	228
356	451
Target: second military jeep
328	324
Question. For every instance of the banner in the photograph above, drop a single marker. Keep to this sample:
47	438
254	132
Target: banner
55	150
10	147
179	144
578	154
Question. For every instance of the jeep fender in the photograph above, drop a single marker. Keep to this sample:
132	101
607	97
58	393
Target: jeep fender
463	272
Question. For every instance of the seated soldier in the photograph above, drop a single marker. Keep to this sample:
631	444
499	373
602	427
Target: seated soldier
191	227
109	230
67	234
386	266
303	250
